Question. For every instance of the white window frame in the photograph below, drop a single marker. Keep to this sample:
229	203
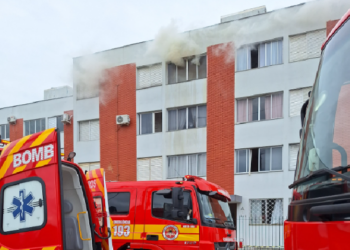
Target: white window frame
289	155
56	116
89	130
177	117
153	122
187	165
36	120
6	126
152	84
187	59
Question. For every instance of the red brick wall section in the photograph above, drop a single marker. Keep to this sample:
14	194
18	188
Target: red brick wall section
330	25
118	143
16	130
220	115
68	136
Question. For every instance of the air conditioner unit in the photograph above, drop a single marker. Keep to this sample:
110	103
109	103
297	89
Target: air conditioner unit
66	118
123	119
11	119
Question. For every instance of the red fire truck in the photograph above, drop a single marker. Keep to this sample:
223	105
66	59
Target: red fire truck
46	203
189	214
319	214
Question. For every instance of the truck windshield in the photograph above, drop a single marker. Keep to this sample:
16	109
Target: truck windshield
325	141
215	211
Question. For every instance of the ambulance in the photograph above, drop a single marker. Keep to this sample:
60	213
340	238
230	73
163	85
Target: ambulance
45	202
189	214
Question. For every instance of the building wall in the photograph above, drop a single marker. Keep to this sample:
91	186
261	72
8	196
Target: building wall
68	135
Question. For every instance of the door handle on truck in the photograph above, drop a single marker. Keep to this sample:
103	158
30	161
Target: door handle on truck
152	237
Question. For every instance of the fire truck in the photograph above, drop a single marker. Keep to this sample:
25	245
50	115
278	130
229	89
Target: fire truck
188	214
319	214
45	203
49	203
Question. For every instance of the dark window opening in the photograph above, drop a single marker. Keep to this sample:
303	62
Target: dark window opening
202	68
255	160
181	73
119	203
262	108
255	109
171	73
254	55
192	70
158	122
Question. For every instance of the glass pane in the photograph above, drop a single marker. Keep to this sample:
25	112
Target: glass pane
172	120
171	73
242	161
181	165
242	59
202	165
60	123
262	108
7	131
95	130
242	110
202	68
276	158
171	166
262	55
26	128
38	125
202	116
264	158
158	122
181	73
181	119
42	124
192	117
268	54
280	52
192	164
119	203
146	123
253	109
2	131
31	127
192	70
274	48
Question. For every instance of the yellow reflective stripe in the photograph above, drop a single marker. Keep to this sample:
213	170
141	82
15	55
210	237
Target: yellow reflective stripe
49	248
4	248
99	184
9	158
4	149
159	228
42	137
19	169
43	163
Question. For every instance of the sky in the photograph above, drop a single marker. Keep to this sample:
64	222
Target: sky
39	38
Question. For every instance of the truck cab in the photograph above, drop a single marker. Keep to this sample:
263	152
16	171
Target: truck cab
45	202
189	214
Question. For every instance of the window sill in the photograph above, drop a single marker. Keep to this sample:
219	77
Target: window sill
185	129
150	133
238	123
303	60
158	85
261	172
238	71
187	81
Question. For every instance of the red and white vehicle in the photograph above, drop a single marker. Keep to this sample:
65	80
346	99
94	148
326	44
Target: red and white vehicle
319	214
190	214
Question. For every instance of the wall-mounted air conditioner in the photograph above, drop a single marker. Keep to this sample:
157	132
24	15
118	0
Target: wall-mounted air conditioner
123	119
66	119
11	119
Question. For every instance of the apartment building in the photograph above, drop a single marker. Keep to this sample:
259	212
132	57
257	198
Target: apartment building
229	113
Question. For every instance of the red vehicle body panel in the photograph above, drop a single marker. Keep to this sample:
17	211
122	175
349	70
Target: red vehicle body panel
134	228
34	159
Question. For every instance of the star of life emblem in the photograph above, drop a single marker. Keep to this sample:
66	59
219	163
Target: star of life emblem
22	205
170	232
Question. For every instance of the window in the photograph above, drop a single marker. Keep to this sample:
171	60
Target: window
149	76
150	169
34	126
23	206
194	68
181	165
297	98
150	123
89	130
306	46
56	122
119	203
88	166
258	159
266	211
162	205
260	108
5	131
186	118
259	55
293	155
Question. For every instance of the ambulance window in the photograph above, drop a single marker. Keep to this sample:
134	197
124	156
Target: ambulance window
162	205
119	203
99	209
23	206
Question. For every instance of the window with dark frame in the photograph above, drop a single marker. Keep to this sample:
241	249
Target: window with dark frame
150	123
259	159
34	126
119	203
162	206
187	118
193	68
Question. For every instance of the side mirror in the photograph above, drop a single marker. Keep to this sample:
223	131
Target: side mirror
178	201
71	156
213	193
